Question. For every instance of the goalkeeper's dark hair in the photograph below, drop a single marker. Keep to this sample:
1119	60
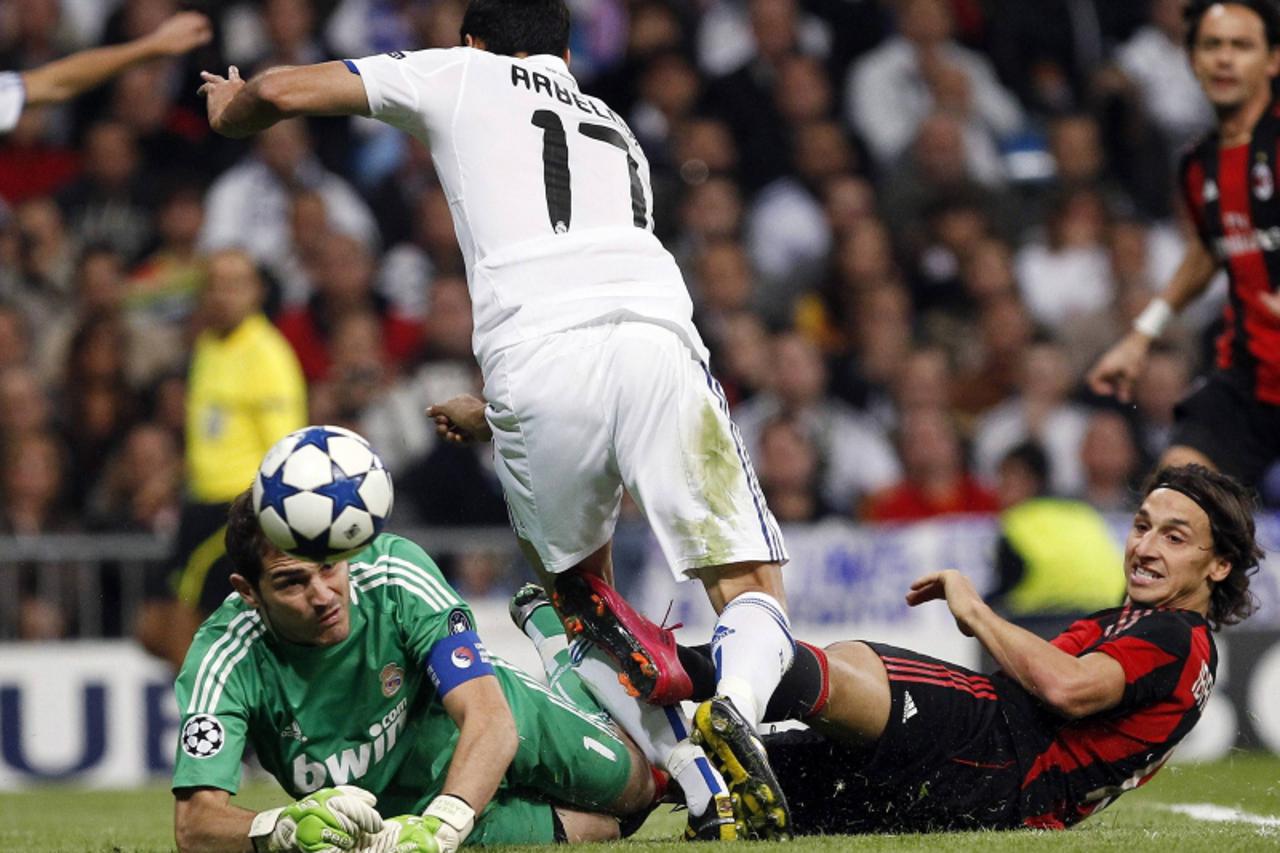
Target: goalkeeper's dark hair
509	27
246	543
1267	10
1230	505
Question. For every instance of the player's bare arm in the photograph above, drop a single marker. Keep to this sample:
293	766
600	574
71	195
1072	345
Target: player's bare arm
461	419
1119	368
239	108
65	78
204	821
487	741
1074	687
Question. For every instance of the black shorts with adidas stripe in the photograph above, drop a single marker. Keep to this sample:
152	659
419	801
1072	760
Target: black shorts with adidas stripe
945	761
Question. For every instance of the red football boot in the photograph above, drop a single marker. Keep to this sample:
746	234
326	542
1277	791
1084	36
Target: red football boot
645	652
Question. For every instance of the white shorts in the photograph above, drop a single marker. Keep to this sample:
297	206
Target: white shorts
581	414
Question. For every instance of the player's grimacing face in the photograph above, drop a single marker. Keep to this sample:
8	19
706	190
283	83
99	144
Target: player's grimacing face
306	602
1231	57
1168	556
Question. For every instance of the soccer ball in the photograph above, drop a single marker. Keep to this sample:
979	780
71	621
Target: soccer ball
321	493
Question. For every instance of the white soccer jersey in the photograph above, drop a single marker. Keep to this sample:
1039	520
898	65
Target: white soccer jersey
12	97
548	188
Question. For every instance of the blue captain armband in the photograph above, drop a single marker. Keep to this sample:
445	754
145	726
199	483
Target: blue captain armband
457	659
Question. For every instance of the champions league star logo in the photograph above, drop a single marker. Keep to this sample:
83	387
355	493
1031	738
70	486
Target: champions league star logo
203	736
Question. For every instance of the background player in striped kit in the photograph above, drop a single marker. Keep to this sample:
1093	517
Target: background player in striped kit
1231	420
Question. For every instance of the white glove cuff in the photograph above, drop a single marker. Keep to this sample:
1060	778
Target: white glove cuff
1154	319
264	823
455	812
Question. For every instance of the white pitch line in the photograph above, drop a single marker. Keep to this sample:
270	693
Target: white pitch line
1221	814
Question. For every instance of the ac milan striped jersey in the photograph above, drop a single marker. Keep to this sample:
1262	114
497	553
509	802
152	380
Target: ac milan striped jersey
1072	768
1231	193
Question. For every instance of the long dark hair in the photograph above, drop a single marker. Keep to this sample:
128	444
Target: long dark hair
1230	506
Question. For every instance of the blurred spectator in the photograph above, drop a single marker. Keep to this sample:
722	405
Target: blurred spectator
15	337
746	96
893	88
935	172
1109	456
394	422
431	249
1056	560
1041	412
248	205
732	33
722	284
786	227
44	275
935	478
246	391
165	285
1155	61
110	203
1164	384
142	488
25	407
98	406
1004	332
788	470
31	484
669	89
857	458
1067	273
740	356
344	287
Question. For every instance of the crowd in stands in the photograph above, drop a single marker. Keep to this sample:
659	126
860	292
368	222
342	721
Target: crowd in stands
908	228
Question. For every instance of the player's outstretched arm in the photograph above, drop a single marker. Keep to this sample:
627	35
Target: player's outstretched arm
1074	687
239	108
65	78
326	821
1122	365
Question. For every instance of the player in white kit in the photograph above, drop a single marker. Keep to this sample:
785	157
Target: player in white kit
595	378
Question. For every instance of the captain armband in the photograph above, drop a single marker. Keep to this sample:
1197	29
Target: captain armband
456	659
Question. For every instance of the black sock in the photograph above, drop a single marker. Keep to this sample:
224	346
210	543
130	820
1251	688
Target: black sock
801	693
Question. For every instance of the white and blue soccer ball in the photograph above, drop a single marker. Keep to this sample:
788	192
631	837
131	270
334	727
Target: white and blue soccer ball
322	493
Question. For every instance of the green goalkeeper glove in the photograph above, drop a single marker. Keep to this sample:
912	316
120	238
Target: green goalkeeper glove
404	834
327	821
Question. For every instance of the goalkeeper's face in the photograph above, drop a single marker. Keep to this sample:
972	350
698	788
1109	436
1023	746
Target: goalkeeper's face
304	602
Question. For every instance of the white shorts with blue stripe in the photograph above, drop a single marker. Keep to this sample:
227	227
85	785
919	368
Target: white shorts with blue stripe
580	415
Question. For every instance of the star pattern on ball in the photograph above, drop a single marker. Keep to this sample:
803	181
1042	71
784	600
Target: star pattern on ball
275	490
316	437
344	491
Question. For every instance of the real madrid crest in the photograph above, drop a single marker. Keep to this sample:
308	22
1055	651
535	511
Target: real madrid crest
1264	184
392	676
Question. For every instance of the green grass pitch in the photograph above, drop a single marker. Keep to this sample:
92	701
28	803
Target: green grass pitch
1161	816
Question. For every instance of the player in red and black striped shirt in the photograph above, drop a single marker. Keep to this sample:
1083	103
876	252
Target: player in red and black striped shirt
902	742
1232	420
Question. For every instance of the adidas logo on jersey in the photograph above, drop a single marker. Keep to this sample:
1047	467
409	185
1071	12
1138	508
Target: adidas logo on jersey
909	709
293	731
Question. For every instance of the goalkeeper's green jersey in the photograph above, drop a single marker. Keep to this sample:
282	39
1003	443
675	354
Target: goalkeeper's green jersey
364	711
